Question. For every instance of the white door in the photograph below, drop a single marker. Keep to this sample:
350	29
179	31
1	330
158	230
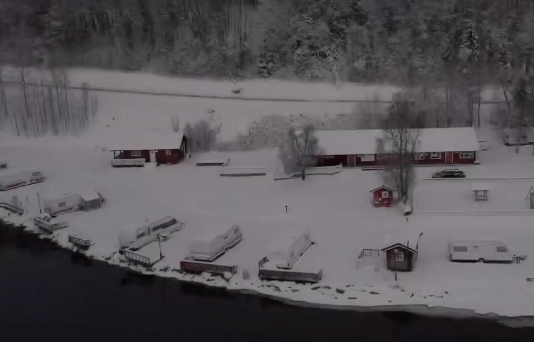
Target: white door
152	156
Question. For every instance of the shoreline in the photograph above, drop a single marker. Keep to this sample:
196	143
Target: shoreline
415	309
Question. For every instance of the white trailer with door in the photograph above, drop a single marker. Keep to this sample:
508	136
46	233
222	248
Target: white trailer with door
63	204
203	250
288	247
15	178
480	251
136	238
285	254
212	245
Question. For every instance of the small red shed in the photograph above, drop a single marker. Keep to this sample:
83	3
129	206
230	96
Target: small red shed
382	196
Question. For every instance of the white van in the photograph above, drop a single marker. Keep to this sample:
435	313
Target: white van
213	245
135	239
480	251
11	179
288	248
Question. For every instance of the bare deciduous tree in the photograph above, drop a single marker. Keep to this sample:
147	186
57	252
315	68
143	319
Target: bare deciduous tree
202	135
399	143
297	151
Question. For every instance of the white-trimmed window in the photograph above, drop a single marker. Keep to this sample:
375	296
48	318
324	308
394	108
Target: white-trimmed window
380	156
466	155
399	256
435	155
385	194
135	153
168	152
367	157
420	156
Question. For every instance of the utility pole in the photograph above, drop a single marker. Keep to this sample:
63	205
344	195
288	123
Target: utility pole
159	243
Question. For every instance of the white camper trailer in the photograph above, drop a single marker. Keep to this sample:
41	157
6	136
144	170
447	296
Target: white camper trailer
288	248
480	251
66	203
15	178
209	247
137	238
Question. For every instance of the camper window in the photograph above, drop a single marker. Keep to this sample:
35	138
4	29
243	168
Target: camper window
36	174
140	235
460	248
61	204
502	249
399	256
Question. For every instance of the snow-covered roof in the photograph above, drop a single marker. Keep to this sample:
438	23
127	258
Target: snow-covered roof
384	188
89	195
408	240
208	237
145	141
285	240
480	186
16	171
363	141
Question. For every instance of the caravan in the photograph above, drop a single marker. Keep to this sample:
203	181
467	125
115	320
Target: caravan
213	245
480	251
11	179
65	204
288	248
140	237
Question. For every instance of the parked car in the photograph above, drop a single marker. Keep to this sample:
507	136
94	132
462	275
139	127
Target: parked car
449	173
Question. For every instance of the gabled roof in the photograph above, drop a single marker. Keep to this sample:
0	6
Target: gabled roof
383	187
146	141
364	141
409	241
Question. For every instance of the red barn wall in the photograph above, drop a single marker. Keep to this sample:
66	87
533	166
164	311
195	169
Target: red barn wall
347	160
174	158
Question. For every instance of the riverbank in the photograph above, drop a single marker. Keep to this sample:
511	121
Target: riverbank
216	283
49	295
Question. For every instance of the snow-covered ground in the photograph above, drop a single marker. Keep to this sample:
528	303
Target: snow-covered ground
336	209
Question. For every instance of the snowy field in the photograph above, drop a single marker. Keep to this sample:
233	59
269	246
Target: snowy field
337	210
457	195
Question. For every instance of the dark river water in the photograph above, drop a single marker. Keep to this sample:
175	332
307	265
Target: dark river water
46	294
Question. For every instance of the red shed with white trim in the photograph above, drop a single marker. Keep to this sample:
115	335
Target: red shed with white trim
382	196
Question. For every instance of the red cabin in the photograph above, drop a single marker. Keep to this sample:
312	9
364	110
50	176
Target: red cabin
153	148
382	196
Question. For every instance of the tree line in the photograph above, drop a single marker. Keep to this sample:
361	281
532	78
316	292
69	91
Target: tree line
409	41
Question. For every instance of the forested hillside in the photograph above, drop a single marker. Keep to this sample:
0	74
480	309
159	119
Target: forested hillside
402	41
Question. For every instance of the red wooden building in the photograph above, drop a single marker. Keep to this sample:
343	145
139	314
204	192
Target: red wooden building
382	196
456	145
153	148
